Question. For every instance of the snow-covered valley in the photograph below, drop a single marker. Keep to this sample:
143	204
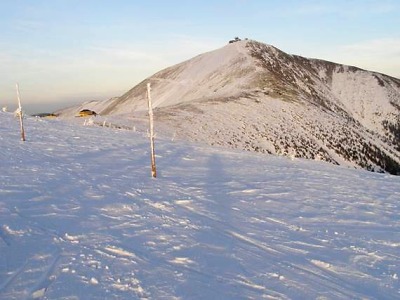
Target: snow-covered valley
81	218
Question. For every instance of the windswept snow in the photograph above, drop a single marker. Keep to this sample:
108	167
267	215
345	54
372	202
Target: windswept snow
81	218
361	96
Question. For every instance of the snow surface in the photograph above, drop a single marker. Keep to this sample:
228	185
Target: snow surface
361	95
81	218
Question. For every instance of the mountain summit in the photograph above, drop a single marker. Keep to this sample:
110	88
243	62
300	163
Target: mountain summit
253	96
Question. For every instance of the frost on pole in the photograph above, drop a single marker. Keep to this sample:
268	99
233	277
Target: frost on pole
20	114
153	159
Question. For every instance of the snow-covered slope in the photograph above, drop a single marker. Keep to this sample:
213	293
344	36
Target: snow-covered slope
208	74
81	218
250	95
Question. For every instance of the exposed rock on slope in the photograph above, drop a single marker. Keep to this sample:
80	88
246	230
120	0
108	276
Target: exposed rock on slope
252	96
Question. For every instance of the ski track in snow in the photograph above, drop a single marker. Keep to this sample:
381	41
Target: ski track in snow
80	217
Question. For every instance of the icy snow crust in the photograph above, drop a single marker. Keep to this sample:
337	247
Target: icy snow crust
81	218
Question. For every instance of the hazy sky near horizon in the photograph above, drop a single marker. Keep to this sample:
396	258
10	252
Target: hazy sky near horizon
66	51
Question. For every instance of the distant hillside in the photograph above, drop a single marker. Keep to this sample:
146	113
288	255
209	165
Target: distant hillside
253	96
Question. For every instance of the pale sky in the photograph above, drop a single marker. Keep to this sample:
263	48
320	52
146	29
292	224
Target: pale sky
67	51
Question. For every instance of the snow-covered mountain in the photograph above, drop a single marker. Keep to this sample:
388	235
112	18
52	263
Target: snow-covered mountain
81	218
252	96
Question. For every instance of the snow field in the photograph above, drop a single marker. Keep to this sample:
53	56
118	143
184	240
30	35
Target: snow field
80	217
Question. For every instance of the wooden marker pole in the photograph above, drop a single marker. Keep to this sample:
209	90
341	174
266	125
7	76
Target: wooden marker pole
21	119
153	159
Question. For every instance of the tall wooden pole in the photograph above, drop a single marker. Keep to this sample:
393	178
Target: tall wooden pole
21	118
153	159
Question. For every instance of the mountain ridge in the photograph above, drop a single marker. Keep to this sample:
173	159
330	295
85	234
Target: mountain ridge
253	96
